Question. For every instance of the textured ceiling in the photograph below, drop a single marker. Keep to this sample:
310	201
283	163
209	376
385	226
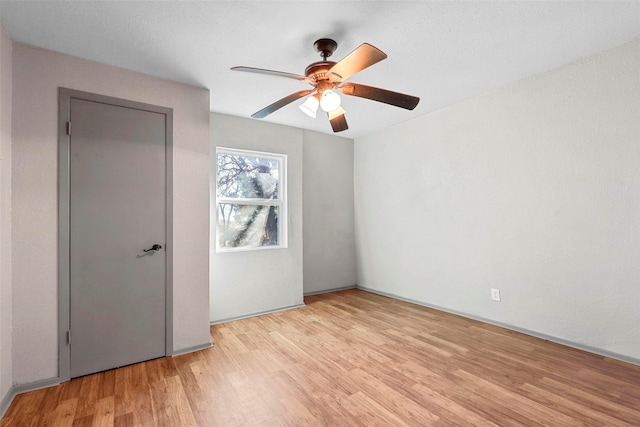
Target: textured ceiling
442	52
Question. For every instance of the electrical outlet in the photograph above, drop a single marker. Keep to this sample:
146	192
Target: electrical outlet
495	294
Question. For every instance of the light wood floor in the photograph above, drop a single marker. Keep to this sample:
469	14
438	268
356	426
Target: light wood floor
351	358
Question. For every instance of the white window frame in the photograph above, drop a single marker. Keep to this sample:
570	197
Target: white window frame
280	202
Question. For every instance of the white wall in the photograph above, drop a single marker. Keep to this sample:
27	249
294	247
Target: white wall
329	242
37	74
533	189
250	282
6	47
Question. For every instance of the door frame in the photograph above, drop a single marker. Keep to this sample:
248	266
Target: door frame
64	227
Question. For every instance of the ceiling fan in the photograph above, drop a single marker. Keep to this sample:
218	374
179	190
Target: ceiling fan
328	78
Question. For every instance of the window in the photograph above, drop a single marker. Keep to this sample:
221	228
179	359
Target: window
250	200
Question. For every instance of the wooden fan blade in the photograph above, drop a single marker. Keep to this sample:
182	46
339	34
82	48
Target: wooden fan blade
396	99
362	57
273	73
337	120
280	103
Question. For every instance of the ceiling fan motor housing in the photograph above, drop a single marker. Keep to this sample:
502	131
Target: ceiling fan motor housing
318	72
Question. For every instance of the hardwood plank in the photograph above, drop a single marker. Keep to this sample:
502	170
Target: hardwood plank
569	407
90	390
160	368
366	411
170	404
596	401
66	413
532	411
394	400
83	422
351	358
453	409
132	394
124	420
104	412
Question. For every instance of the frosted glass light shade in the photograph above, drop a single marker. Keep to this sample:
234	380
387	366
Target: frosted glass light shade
310	106
329	101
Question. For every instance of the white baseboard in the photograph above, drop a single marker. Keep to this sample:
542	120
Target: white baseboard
589	349
258	313
326	291
6	401
192	349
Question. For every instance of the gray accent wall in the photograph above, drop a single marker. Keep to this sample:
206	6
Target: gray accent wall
321	251
37	75
533	189
329	242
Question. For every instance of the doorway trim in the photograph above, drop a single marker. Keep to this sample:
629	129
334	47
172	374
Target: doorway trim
64	110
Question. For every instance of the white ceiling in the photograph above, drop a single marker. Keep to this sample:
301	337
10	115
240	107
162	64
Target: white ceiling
441	51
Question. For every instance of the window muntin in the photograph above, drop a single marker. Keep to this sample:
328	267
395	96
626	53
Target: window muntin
250	200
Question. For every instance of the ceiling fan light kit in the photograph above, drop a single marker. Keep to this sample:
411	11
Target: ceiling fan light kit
310	106
329	100
328	78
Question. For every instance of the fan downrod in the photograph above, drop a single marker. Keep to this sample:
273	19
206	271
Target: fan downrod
325	47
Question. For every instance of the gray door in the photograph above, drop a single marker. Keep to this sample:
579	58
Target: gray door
116	211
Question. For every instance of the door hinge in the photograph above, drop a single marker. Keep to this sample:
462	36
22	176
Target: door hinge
69	337
69	128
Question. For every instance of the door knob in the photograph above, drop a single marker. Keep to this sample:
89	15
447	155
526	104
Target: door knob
155	248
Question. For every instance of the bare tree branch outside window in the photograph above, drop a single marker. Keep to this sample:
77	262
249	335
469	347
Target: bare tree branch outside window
249	199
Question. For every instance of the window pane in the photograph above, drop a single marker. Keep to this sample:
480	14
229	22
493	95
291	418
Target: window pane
247	177
247	225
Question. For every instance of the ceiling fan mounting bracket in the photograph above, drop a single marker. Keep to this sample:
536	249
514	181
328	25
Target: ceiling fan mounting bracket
325	47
